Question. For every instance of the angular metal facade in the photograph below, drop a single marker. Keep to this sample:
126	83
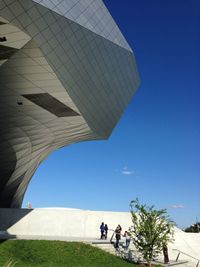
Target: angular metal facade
66	75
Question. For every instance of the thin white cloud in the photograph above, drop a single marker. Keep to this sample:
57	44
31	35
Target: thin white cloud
126	171
177	206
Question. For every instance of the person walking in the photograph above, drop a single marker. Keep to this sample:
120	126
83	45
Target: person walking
118	235
128	239
106	231
102	229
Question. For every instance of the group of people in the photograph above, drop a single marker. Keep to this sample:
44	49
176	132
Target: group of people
104	230
118	230
118	234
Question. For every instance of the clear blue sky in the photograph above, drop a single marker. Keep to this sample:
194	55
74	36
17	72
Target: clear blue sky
154	152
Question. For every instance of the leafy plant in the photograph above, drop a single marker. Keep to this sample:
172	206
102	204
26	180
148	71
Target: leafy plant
195	228
151	229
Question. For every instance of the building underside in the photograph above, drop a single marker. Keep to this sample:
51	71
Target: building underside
66	75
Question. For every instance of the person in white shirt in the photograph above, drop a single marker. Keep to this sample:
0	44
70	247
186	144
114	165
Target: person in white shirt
128	238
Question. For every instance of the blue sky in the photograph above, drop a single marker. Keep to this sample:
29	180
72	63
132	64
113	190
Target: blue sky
154	151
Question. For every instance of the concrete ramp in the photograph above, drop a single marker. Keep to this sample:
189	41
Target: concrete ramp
189	243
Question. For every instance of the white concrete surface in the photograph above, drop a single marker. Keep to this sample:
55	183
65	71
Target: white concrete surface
60	222
185	242
81	225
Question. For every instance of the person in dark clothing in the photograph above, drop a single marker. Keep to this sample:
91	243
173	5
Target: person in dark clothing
106	231
102	229
165	253
118	235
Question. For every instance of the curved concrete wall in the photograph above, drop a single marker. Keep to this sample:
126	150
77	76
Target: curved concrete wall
60	222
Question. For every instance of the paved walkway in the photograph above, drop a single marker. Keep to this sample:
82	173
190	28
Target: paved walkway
6	236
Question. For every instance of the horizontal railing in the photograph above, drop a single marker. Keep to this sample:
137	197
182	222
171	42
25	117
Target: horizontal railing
181	252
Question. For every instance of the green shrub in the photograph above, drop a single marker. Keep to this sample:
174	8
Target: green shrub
151	229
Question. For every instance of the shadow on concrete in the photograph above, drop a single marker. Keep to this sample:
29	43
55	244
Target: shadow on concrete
4	236
8	218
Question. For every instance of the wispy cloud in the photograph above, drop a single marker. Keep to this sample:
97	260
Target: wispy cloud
126	171
177	206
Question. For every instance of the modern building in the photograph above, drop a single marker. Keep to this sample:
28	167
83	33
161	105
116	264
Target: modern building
66	75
